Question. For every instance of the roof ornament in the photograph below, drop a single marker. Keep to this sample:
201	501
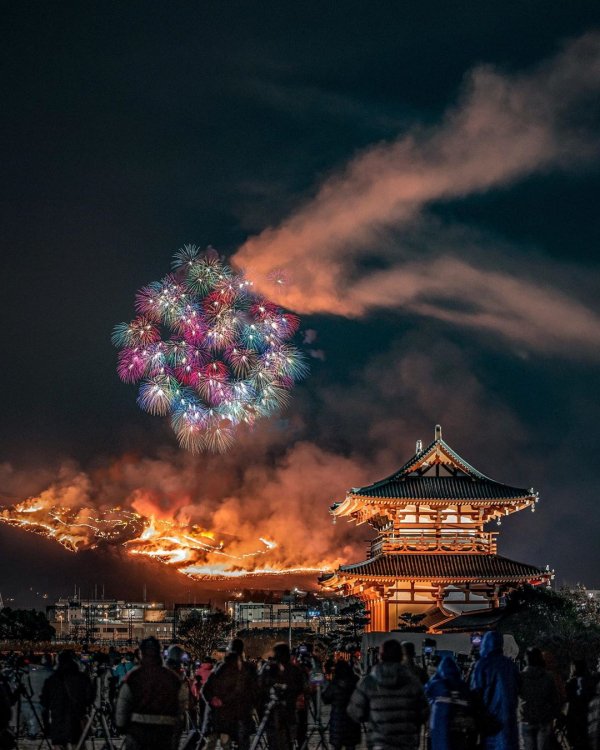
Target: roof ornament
419	446
438	432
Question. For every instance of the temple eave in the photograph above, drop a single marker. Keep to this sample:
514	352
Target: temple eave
341	579
443	568
354	501
362	509
402	501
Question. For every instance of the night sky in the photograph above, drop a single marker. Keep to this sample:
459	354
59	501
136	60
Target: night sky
471	301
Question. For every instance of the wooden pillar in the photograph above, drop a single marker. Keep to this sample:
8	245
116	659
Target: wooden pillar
379	614
376	603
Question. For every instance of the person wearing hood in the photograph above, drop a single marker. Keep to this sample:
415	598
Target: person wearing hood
391	701
451	721
343	732
495	681
539	703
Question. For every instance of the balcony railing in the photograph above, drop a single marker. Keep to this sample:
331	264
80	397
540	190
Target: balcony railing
431	542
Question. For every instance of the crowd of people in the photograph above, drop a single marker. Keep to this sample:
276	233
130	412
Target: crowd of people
488	703
161	700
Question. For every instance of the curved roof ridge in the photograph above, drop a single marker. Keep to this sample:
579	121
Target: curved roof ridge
470	469
419	457
449	566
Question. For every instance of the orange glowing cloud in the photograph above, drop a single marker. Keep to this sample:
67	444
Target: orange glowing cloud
503	129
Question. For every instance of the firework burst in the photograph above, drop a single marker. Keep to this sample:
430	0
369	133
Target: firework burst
208	352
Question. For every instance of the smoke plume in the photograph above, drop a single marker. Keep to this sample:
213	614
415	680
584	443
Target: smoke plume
502	129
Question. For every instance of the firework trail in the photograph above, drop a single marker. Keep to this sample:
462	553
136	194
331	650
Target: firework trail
208	352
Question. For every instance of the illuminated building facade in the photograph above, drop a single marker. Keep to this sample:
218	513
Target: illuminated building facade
110	621
432	555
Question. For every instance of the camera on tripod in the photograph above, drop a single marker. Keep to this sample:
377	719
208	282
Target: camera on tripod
277	692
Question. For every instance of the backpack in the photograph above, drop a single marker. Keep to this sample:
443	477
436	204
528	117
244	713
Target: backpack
462	726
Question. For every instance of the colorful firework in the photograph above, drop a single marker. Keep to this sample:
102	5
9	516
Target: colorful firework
208	352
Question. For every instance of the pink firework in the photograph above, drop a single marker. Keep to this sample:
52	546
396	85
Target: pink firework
207	351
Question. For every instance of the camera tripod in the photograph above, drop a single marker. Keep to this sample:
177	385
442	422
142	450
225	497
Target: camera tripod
195	735
22	692
259	740
97	713
317	727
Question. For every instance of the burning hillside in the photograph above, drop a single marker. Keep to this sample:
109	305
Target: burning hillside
186	547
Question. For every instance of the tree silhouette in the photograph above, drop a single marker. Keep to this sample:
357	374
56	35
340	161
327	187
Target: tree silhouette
203	633
24	625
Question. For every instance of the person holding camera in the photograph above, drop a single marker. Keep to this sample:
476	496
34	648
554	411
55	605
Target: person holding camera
304	658
282	684
39	670
539	703
66	697
452	721
343	732
231	693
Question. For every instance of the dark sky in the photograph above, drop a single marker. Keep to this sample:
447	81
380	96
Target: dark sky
130	129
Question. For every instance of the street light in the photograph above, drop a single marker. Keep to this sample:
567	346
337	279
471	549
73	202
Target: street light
289	598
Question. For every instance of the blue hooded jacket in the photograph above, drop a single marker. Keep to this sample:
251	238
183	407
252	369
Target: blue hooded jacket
445	681
496	680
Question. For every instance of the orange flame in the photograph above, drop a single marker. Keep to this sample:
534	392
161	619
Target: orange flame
188	548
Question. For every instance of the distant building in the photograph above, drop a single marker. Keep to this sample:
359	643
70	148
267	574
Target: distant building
110	621
256	615
182	611
432	556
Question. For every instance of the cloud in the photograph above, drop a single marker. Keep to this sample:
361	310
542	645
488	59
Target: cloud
502	129
450	289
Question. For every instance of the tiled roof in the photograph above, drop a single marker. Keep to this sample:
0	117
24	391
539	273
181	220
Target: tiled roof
469	621
442	488
441	567
431	449
415	481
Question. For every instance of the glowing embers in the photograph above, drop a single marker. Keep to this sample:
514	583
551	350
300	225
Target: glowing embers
207	351
74	528
196	553
188	548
